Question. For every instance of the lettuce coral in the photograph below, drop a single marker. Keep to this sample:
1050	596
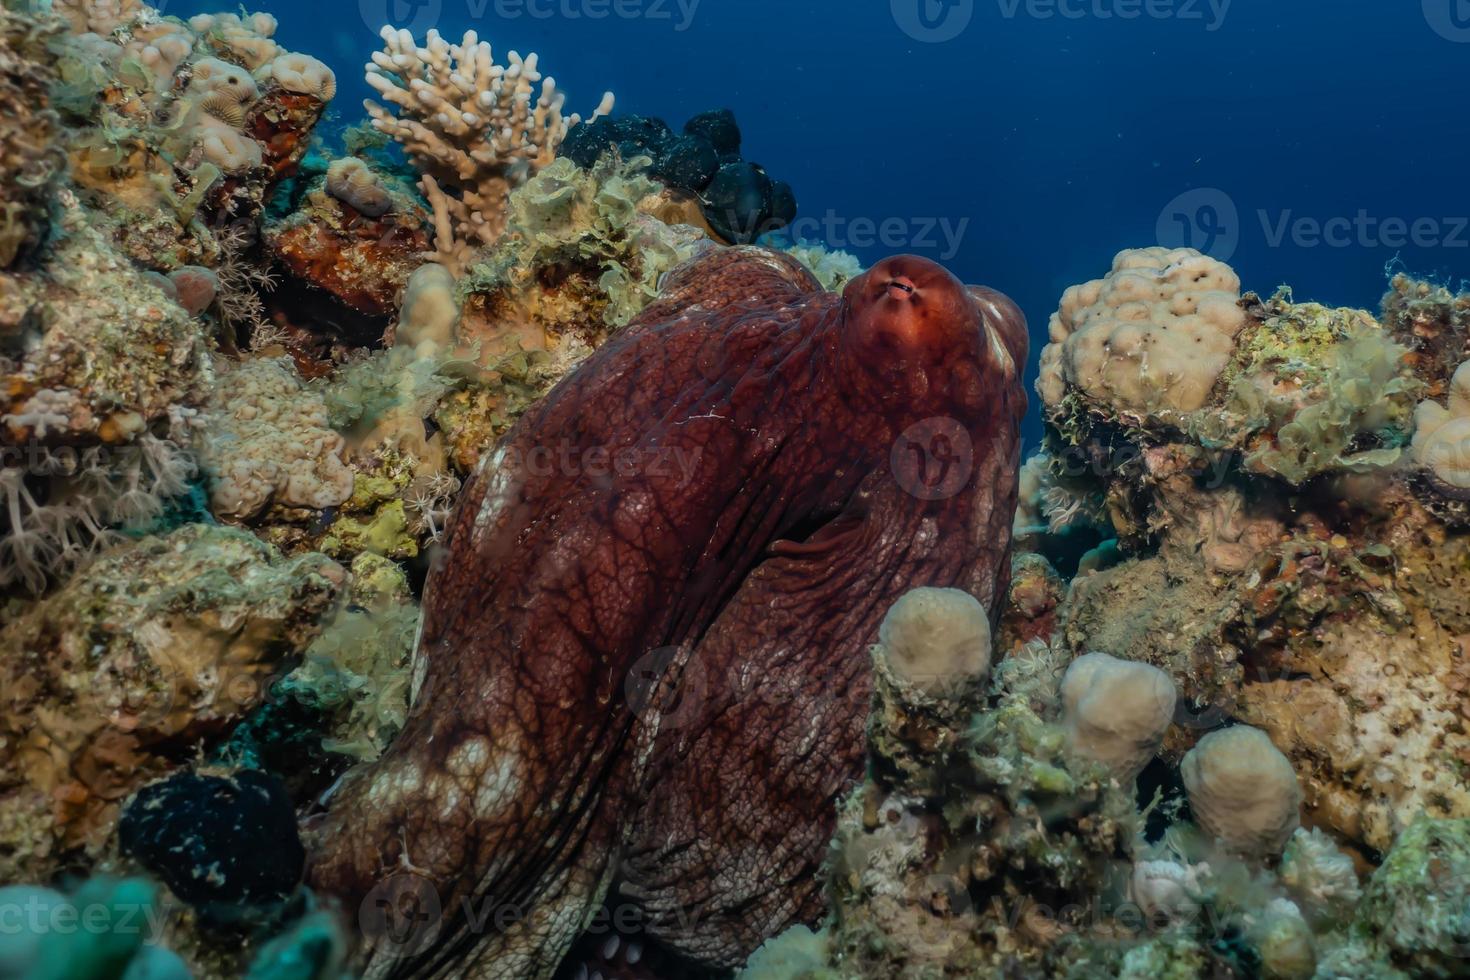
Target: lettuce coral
1312	390
581	232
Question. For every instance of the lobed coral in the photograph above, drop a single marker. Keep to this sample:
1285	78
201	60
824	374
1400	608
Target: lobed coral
1151	338
1243	790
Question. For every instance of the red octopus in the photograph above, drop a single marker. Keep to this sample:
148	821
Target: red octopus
643	677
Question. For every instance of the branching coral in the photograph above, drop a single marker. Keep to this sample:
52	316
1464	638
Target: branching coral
470	127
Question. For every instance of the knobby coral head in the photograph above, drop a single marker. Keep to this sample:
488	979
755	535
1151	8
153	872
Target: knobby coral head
921	338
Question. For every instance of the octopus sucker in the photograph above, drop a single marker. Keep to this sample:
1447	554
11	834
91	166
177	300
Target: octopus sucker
660	671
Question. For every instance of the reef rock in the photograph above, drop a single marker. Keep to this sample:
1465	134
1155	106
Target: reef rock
114	677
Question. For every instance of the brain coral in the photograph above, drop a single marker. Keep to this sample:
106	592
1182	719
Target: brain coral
1153	336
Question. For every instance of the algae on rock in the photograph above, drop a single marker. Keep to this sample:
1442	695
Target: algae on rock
154	647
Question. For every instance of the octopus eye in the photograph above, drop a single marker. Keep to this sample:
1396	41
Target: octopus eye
900	288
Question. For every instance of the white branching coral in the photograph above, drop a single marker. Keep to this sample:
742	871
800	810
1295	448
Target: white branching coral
470	126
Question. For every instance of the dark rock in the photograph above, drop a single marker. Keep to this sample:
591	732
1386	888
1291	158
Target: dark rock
632	135
738	201
783	204
719	128
688	163
226	845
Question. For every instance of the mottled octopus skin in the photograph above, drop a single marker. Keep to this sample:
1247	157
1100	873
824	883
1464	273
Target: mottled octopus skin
659	679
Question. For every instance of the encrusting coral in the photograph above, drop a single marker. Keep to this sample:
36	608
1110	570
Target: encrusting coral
470	127
267	439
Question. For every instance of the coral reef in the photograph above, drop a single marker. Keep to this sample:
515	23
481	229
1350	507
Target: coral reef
470	127
293	437
158	644
30	159
579	260
357	235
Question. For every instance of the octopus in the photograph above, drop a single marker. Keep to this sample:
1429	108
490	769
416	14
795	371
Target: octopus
642	679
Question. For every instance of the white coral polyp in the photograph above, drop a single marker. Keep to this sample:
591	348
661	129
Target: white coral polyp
1153	336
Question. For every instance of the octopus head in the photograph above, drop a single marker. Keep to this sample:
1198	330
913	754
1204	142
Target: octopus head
922	336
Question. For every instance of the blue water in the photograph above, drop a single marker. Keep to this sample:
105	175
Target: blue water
1033	144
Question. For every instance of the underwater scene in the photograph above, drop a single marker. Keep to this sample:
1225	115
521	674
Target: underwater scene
734	490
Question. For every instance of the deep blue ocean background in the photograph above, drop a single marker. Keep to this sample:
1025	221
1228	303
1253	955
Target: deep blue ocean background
1052	132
